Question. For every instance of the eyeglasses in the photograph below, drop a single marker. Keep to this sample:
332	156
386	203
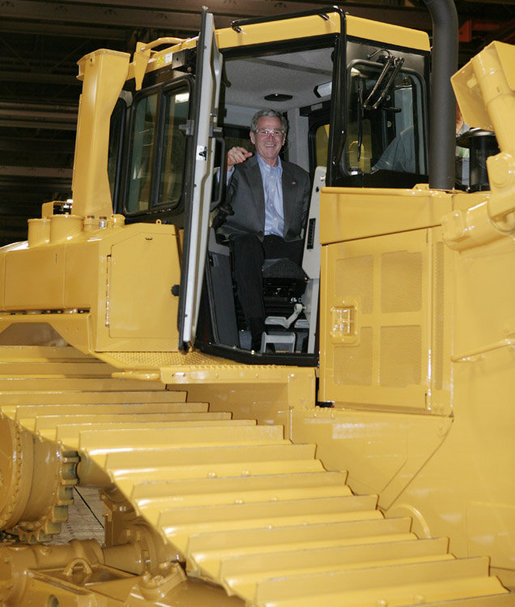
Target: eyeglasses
268	132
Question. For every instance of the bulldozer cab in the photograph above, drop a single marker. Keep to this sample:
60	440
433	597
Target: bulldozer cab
355	98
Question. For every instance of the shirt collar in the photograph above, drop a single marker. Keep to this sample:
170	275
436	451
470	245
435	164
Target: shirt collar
264	165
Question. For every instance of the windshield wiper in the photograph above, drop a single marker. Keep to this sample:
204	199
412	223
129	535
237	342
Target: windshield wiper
384	83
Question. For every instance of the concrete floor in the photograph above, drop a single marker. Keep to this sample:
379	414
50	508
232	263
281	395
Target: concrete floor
85	517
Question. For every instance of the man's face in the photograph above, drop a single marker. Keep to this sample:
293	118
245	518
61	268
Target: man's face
268	146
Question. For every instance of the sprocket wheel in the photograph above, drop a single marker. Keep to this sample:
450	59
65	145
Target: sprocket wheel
36	484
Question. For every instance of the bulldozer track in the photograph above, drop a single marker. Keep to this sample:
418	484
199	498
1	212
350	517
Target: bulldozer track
242	507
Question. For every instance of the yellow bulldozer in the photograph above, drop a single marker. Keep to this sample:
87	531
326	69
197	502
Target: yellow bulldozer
361	456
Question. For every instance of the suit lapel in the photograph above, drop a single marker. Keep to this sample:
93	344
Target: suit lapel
289	184
256	187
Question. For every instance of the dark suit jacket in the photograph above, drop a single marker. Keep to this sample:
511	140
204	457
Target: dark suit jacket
246	197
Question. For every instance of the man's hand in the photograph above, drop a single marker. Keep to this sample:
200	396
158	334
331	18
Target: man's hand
237	155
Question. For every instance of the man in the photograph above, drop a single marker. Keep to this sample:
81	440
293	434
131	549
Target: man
269	200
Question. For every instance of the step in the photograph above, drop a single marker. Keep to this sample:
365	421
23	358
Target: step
216	545
244	573
170	455
73	399
50	383
68	368
394	584
71	434
99	443
177	524
126	418
236	490
506	599
27	414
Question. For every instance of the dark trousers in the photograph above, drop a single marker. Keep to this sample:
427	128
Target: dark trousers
249	254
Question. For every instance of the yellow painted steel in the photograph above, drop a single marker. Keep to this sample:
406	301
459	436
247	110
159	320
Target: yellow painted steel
418	318
245	500
103	73
228	501
295	29
80	288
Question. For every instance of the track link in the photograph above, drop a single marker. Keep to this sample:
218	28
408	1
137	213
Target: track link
241	506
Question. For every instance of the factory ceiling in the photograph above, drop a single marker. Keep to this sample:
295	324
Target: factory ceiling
41	41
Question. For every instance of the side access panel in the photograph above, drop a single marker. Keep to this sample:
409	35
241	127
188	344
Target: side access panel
382	322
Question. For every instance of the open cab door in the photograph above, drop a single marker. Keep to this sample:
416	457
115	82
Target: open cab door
199	178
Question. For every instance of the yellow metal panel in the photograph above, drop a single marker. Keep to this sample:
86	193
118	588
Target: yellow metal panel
71	434
137	261
248	510
350	213
216	545
81	274
178	525
73	383
275	31
239	489
143	270
386	583
104	73
91	369
99	443
474	90
42	286
126	479
215	455
310	563
47	422
307	27
387	450
387	33
105	307
80	402
375	321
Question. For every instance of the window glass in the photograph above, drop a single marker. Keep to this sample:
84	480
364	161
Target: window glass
386	127
174	147
115	142
140	171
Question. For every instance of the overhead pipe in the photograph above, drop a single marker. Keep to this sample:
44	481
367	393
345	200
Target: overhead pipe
444	59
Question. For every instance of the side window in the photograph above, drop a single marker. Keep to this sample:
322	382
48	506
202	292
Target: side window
386	126
174	146
157	149
142	150
116	134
